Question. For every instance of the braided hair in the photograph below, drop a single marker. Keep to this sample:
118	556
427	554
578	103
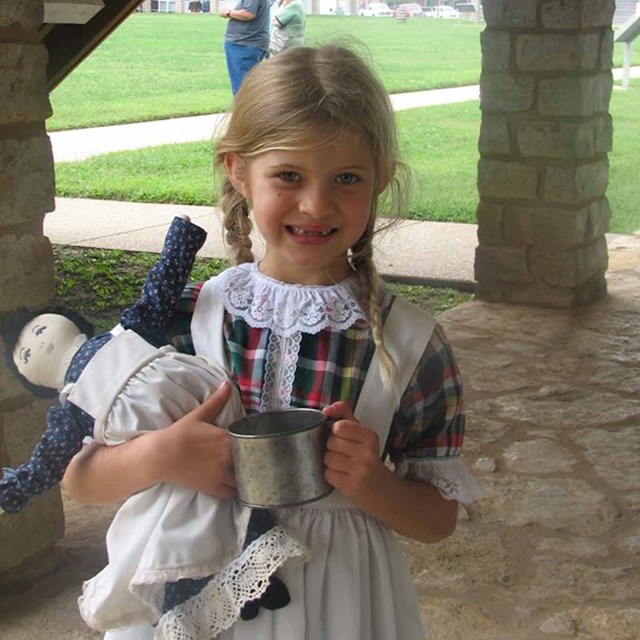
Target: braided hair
309	97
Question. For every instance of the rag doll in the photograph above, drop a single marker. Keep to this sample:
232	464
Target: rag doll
114	387
51	348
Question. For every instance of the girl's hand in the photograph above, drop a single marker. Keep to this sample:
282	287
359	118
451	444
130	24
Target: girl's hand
196	453
353	464
190	452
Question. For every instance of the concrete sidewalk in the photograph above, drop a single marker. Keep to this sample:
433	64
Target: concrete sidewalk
438	253
80	144
433	253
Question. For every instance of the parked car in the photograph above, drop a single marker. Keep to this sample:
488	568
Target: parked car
376	10
412	9
443	11
466	8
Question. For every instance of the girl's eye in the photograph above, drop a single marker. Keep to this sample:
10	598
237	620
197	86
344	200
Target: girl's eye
346	178
288	176
25	355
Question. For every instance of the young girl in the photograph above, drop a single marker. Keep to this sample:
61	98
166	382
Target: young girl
311	152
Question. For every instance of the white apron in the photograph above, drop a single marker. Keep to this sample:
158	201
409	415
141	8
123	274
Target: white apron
356	584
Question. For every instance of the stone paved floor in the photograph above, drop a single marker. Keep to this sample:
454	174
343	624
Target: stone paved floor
553	399
553	551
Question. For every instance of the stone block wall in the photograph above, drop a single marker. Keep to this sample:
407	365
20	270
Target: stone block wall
542	176
26	270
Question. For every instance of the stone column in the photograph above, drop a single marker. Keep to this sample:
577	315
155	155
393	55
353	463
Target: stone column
542	176
26	270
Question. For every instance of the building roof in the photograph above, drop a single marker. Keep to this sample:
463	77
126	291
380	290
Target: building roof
72	29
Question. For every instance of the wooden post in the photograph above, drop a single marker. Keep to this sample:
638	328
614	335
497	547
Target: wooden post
627	65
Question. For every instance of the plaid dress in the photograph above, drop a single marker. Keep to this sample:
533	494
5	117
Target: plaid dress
278	361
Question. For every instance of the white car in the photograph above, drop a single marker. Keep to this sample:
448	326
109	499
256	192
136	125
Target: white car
443	11
376	10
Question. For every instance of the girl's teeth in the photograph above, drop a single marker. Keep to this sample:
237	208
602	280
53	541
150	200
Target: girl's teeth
301	232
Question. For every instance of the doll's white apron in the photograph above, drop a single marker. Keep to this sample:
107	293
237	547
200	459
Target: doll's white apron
356	584
164	533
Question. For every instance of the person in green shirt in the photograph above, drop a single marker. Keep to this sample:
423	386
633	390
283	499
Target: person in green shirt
288	26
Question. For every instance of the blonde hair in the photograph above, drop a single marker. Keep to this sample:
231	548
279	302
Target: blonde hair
308	97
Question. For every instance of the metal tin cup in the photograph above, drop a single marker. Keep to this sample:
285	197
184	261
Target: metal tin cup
278	457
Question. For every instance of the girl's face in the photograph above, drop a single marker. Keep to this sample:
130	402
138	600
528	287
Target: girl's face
310	206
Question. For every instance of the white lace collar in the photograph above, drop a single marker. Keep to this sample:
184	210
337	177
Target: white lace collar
263	302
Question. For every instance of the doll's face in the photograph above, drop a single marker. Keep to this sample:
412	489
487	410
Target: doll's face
45	348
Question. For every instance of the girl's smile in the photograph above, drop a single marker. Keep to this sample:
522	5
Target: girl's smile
310	206
310	236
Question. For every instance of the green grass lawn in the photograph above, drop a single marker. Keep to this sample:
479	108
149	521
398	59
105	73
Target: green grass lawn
624	162
161	65
439	143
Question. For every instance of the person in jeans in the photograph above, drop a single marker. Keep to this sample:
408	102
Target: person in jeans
246	40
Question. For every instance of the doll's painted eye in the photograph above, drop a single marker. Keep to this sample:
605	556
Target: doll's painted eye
39	329
25	355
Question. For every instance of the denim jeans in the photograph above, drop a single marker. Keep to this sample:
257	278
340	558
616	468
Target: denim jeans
240	59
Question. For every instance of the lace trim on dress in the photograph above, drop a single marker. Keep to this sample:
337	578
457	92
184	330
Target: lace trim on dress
450	476
280	371
263	302
218	605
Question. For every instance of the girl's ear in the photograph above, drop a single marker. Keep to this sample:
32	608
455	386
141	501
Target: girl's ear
236	172
381	186
384	179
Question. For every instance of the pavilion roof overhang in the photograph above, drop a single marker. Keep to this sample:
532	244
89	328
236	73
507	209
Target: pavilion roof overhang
72	29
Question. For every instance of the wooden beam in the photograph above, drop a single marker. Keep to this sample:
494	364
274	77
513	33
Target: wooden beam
70	44
70	11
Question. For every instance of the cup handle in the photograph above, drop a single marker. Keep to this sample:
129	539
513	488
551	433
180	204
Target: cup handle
329	422
328	425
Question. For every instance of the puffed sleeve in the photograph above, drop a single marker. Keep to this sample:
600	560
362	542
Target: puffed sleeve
428	430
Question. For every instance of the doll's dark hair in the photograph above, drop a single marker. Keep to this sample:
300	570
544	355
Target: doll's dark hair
11	325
